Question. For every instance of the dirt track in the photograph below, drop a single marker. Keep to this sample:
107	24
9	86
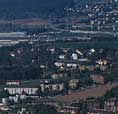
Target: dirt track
98	91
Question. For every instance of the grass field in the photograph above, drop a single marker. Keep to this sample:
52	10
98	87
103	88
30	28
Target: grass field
30	83
90	44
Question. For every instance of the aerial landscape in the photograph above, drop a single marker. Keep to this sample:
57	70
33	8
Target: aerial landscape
58	56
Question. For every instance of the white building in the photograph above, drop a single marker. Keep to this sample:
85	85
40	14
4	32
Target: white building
52	87
16	82
20	90
74	56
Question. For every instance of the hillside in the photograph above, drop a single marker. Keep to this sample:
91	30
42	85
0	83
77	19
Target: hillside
10	9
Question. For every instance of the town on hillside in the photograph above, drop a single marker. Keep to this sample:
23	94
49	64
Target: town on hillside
59	57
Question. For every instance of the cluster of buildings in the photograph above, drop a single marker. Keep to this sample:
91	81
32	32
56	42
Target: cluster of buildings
98	16
92	106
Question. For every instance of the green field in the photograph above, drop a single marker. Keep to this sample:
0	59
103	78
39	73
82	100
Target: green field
31	83
86	44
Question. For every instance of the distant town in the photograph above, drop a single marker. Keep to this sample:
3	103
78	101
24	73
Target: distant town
63	63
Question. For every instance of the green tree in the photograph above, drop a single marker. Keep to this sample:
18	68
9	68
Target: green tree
4	93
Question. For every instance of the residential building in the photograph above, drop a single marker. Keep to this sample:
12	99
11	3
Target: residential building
100	79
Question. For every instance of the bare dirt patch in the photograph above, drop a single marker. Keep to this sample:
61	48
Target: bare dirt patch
30	22
98	91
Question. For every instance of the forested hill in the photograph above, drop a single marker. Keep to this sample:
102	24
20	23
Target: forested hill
32	8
